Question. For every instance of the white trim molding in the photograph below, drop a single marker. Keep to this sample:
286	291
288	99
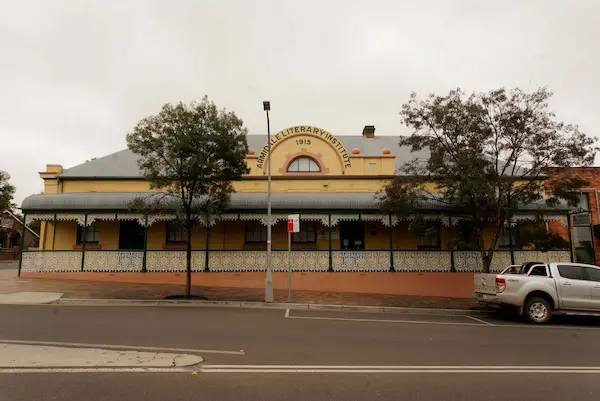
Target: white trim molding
153	218
336	218
31	217
140	218
263	218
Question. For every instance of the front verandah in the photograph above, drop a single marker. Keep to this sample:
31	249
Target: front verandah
339	242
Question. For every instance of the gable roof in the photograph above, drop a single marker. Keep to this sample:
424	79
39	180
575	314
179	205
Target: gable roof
123	164
11	214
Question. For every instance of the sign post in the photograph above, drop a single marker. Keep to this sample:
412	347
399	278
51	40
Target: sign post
293	227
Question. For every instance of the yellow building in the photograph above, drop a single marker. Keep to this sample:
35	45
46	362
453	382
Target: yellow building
330	180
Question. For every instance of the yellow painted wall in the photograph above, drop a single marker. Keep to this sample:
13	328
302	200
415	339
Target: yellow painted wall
296	185
105	186
66	235
157	237
402	238
109	234
230	235
51	187
309	145
321	185
376	236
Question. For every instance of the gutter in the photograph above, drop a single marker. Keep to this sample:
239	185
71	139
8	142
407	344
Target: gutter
22	222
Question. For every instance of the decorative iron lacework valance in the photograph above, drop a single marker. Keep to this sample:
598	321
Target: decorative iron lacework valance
325	219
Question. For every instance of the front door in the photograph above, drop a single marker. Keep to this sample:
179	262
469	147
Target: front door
593	274
574	287
352	235
131	235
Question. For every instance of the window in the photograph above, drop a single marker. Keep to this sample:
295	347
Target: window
307	234
538	271
504	240
303	165
255	232
593	274
92	234
176	233
572	272
430	239
518	236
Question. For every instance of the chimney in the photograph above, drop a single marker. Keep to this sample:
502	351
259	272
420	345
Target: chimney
52	170
369	131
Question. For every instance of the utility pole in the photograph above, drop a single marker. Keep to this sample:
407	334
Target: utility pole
269	275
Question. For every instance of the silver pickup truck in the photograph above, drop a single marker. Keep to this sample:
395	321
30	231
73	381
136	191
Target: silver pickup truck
540	289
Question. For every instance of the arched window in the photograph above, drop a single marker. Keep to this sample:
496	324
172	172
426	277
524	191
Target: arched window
303	164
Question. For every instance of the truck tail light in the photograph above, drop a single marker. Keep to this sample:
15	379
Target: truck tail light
500	285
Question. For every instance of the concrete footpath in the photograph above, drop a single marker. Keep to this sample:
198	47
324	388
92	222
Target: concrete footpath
38	356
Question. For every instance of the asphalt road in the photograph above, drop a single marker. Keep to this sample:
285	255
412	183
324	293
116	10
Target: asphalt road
296	387
355	347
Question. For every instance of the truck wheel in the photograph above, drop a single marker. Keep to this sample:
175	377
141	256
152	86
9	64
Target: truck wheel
538	310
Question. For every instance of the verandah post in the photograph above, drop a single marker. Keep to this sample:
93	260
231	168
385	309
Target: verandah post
329	236
22	244
53	230
145	243
206	269
510	244
451	231
84	241
391	239
570	237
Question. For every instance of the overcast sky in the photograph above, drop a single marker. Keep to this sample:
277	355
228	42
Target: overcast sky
75	76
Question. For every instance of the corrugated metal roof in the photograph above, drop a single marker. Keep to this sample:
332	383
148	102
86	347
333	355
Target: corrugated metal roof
251	201
239	201
123	164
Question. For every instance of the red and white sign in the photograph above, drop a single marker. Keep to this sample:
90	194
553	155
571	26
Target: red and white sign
293	223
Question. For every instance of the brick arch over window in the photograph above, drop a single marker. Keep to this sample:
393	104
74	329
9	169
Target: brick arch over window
317	158
291	157
303	164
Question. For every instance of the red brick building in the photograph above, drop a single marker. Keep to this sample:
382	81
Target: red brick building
10	236
585	221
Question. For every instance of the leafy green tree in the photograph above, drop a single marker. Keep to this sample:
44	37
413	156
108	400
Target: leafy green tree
484	155
7	192
191	154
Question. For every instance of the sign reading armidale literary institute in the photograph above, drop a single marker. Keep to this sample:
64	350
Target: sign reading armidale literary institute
303	130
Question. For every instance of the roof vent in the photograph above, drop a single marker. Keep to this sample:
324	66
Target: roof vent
369	131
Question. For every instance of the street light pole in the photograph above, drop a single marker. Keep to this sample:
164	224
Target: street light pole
269	275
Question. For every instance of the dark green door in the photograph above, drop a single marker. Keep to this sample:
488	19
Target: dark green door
131	235
352	235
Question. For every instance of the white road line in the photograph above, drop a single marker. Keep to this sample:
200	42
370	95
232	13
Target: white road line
94	370
404	367
544	326
487	324
480	320
287	313
379	371
112	346
385	321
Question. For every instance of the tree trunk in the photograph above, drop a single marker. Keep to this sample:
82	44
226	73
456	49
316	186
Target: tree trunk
486	256
188	265
487	261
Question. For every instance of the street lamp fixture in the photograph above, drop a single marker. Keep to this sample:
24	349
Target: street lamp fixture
269	275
